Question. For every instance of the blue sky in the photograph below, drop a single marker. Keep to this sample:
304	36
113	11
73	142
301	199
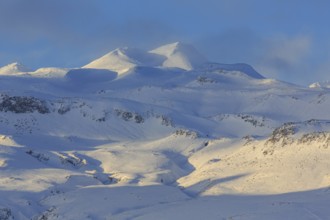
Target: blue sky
283	39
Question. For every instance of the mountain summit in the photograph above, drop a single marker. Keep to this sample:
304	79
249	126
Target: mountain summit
13	68
180	55
175	55
320	85
122	59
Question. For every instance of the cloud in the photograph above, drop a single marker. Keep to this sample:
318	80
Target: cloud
283	57
35	19
231	45
43	32
289	50
321	71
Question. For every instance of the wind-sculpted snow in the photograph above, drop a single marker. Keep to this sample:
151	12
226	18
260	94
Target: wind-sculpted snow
162	135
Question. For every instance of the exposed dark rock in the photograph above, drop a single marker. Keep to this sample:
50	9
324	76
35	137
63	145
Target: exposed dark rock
63	109
138	119
102	119
73	161
130	116
105	179
39	156
322	138
252	120
127	116
204	79
187	133
167	121
47	215
283	134
23	104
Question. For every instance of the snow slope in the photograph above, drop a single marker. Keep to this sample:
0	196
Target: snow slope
138	136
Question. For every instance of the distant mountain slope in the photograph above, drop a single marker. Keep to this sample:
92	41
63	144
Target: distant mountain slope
239	67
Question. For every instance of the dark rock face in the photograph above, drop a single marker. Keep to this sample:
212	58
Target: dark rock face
23	104
283	134
167	121
203	79
130	116
39	156
250	119
321	139
187	133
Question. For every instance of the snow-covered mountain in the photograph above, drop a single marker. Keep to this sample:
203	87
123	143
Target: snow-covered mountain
163	134
13	68
176	55
320	85
123	59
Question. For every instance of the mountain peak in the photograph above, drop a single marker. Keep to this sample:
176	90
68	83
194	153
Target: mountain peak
13	68
171	48
320	85
121	60
180	55
15	65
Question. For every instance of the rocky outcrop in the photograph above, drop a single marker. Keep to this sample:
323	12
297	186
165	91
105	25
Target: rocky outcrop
130	116
23	104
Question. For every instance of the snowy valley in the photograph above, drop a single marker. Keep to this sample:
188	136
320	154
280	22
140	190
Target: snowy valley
161	134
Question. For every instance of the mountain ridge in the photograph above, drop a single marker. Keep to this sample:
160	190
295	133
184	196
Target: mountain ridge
177	55
13	68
